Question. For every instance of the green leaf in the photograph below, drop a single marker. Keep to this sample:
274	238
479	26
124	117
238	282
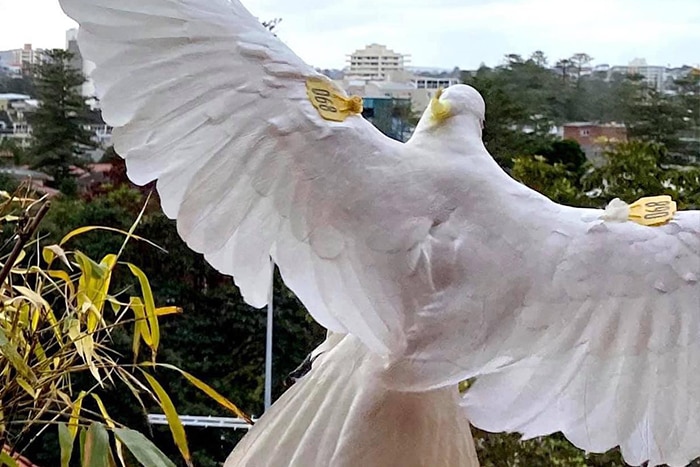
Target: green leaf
66	441
176	428
9	351
6	460
142	448
82	436
110	423
96	448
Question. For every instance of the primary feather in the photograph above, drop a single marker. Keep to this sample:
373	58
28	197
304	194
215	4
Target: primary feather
427	252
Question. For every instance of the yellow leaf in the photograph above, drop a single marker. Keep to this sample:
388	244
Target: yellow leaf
86	229
52	251
75	415
208	390
63	275
27	388
116	304
103	410
31	296
73	330
141	330
93	286
168	310
176	428
150	306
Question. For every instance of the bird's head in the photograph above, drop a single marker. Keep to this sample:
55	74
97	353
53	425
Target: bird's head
457	103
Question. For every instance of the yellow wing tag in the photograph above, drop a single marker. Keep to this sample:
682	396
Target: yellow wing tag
330	103
654	210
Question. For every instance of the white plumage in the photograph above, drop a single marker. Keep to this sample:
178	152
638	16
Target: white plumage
438	264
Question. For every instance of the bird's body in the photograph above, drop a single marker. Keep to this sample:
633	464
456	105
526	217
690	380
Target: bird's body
342	414
434	263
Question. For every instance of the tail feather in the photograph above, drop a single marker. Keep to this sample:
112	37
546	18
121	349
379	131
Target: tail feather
341	415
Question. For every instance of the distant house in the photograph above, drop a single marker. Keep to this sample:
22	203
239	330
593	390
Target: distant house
13	118
36	180
593	137
96	174
88	178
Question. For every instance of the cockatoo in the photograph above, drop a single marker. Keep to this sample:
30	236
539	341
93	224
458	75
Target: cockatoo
425	261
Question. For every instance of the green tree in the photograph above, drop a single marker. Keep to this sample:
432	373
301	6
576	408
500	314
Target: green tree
566	152
539	58
508	450
688	98
552	180
565	65
11	152
59	138
636	169
580	61
17	85
506	113
656	117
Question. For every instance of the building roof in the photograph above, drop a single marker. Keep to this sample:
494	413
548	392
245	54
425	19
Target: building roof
582	124
23	172
391	86
14	97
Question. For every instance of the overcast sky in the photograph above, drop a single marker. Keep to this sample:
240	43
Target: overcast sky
440	33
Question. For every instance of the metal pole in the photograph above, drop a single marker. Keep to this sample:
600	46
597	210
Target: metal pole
268	344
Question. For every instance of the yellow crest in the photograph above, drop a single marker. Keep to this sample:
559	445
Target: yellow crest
439	110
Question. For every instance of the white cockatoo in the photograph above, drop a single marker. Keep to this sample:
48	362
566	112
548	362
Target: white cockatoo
426	262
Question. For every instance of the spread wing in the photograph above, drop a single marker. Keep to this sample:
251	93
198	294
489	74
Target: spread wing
616	314
440	260
211	105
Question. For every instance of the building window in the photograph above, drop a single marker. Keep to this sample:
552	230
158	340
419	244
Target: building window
585	132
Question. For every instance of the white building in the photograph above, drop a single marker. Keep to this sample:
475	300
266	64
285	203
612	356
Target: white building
21	59
655	76
13	118
428	82
374	63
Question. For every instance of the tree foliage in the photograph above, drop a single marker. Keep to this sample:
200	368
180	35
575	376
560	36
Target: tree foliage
525	99
23	84
59	137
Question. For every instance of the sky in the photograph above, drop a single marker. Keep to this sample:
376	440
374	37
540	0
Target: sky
440	33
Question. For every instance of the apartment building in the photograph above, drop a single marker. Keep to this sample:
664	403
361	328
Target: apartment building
375	62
